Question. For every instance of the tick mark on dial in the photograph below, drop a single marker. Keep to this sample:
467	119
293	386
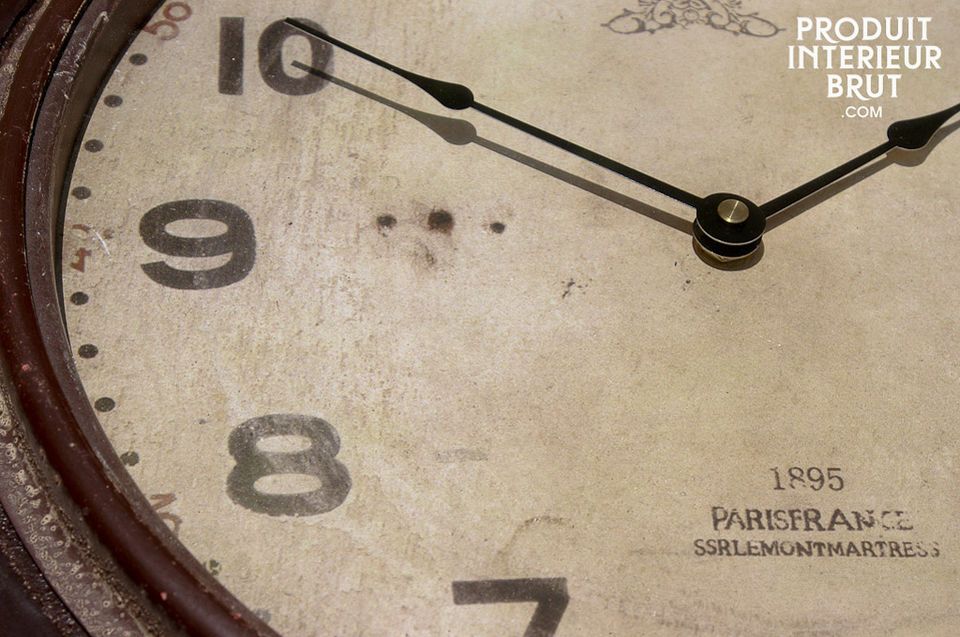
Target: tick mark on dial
113	101
462	454
130	458
440	221
88	351
497	227
138	59
214	567
79	298
93	145
104	404
81	192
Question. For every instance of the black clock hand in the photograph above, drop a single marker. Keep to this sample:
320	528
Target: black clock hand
908	133
459	97
461	132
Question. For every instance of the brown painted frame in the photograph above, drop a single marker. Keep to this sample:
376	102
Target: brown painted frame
60	51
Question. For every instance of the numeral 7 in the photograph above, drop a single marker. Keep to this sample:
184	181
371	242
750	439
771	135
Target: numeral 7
550	594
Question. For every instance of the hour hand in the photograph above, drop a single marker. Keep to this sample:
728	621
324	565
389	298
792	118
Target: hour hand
459	97
910	134
729	227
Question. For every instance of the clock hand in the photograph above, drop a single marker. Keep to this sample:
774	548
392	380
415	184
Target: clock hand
910	159
459	97
461	132
910	134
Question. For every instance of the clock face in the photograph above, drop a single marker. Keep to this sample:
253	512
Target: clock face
384	367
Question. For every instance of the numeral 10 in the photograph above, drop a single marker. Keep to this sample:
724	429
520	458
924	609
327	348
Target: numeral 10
269	58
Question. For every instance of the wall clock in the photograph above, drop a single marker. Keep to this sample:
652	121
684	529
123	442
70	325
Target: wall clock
292	348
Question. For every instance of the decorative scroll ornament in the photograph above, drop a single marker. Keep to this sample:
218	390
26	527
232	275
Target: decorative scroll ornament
650	16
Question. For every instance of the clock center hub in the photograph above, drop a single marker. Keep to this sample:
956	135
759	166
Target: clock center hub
728	227
733	210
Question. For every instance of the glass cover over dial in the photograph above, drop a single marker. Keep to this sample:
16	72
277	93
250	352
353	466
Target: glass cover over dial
387	368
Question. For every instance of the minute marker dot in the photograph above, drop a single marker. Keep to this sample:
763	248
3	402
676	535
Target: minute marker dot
104	404
81	192
79	298
88	351
113	101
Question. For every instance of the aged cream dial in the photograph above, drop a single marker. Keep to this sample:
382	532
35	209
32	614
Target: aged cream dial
390	369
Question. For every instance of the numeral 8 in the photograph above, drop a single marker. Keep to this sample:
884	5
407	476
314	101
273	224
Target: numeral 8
317	460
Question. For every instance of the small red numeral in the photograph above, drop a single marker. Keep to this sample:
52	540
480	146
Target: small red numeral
167	29
160	500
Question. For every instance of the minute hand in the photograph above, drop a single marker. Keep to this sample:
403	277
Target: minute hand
459	97
908	133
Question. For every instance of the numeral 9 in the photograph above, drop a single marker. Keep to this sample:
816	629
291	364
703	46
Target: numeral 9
238	241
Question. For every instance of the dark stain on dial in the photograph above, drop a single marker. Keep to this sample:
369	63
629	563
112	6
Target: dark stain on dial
81	192
440	221
570	286
497	227
104	404
138	59
88	351
385	222
130	458
113	101
79	298
93	145
428	257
